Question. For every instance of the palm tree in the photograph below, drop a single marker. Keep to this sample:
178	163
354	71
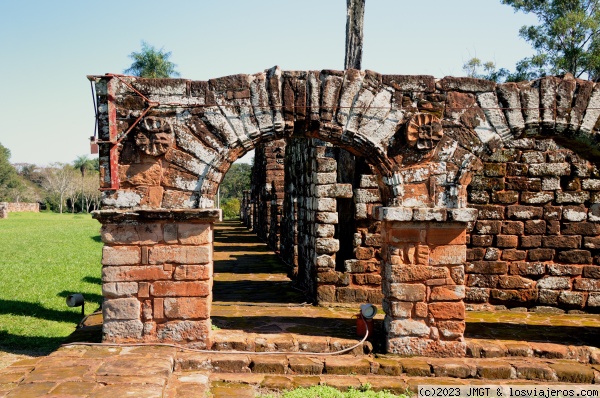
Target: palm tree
151	63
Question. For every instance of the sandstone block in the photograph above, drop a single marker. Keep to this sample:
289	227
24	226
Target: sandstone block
367	195
488	227
515	282
537	197
118	330
563	197
586	284
448	255
446	236
561	242
192	272
407	292
194	234
186	308
512	228
554	283
580	228
119	289
528	268
531	241
327	245
487	267
519	212
326	218
576	299
549	169
535	227
325	230
591	272
121	255
507	241
447	293
574	257
325	205
192	331
180	254
121	309
398	309
180	289
447	310
134	273
513	255
406	327
574	213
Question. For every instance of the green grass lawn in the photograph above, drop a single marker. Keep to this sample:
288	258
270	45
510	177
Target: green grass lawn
44	257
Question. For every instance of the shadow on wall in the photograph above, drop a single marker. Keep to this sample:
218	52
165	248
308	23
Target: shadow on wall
568	335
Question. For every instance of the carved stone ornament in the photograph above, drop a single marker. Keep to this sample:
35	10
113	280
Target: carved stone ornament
424	131
154	136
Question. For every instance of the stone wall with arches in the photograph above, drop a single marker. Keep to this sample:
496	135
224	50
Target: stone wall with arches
165	145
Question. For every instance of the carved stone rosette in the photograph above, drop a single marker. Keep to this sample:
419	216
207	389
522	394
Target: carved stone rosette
424	131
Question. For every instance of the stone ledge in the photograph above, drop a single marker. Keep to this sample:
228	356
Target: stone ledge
191	215
437	214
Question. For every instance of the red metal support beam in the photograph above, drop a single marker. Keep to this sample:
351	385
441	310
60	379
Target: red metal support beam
113	134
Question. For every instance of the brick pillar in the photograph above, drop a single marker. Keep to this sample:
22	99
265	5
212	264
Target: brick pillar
157	275
423	280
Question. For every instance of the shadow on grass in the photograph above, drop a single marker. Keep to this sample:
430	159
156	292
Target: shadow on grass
33	345
97	238
92	279
34	310
573	335
28	345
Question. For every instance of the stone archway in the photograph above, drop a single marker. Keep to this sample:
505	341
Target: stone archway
166	144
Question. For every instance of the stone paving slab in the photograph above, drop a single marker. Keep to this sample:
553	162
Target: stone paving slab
84	371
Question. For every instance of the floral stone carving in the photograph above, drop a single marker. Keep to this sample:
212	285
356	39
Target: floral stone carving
424	131
154	136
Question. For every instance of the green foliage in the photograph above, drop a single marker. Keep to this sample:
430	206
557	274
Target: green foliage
329	392
84	164
235	181
45	257
231	208
151	63
473	68
10	182
567	40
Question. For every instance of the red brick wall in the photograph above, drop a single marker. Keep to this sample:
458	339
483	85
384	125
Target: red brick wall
536	241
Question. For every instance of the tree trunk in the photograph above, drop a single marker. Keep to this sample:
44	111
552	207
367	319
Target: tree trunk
354	33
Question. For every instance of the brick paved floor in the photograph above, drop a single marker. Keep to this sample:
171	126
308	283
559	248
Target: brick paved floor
256	309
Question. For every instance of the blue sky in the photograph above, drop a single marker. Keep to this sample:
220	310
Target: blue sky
48	48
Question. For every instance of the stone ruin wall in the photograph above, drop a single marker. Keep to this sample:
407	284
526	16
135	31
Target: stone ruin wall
165	145
21	207
326	215
536	241
535	244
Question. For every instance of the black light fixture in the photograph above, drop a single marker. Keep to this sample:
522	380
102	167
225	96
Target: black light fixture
76	300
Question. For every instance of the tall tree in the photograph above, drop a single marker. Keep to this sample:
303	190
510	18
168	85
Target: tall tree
354	33
151	63
60	180
567	40
10	182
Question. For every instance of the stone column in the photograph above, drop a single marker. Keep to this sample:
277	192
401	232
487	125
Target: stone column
423	280
157	275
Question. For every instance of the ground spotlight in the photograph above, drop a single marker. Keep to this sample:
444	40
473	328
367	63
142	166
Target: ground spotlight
76	300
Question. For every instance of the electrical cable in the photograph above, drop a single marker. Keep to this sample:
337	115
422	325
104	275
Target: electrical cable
181	347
